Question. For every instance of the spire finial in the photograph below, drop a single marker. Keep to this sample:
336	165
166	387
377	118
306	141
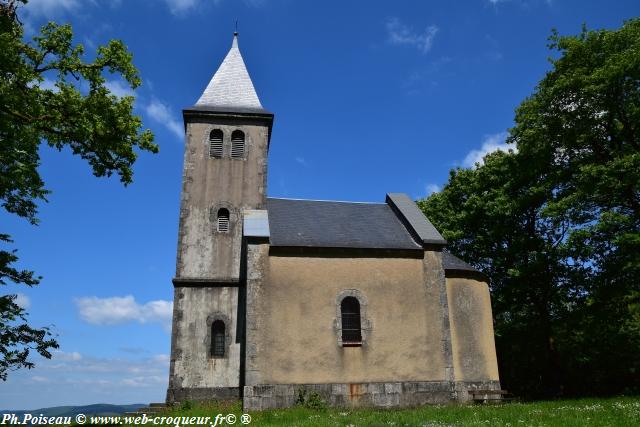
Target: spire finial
235	36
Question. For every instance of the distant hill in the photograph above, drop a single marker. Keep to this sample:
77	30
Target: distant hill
70	411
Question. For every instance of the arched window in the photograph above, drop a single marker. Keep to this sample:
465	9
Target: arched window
223	220
217	339
351	327
215	143
237	144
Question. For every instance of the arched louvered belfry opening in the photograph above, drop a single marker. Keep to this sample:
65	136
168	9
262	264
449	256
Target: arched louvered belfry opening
351	324
217	339
215	143
237	144
223	220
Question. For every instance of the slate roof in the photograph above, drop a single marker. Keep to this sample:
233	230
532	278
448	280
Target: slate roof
414	219
453	263
231	87
329	224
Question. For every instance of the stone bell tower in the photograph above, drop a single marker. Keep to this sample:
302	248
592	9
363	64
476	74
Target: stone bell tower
225	172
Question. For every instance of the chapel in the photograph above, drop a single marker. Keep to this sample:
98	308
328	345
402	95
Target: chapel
360	304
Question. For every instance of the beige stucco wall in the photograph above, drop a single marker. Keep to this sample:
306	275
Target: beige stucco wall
292	337
474	351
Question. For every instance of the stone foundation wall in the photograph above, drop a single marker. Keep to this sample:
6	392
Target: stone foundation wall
464	387
382	395
176	395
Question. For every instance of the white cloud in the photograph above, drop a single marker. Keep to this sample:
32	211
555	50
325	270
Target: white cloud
116	310
48	84
59	355
182	7
302	161
161	358
45	84
76	362
37	12
119	88
144	381
84	379
178	7
88	42
162	114
51	8
431	188
22	301
87	370
490	143
400	33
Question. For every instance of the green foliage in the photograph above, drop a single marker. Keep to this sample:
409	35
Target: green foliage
187	405
311	400
555	224
78	113
17	338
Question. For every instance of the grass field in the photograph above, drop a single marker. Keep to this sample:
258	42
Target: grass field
620	411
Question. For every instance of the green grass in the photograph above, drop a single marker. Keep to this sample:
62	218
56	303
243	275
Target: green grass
619	412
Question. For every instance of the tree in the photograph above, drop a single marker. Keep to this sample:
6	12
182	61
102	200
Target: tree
582	123
79	113
556	223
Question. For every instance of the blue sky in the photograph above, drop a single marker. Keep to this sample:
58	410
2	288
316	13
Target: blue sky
369	97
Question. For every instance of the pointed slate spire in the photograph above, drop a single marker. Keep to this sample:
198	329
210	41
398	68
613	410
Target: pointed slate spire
231	88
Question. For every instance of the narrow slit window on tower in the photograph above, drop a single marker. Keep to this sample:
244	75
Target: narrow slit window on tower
351	325
215	143
223	220
237	144
217	339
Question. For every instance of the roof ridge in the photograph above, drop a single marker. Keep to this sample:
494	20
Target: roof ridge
324	200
